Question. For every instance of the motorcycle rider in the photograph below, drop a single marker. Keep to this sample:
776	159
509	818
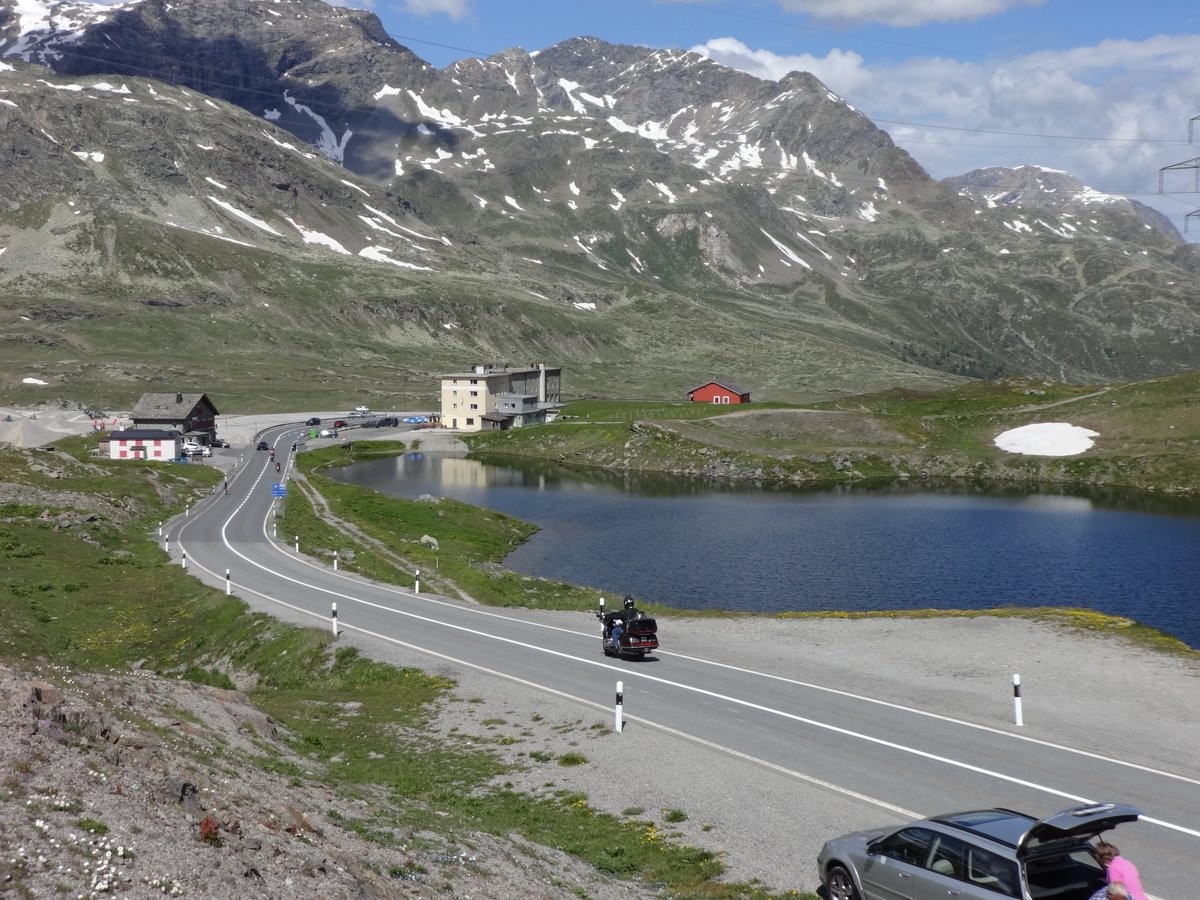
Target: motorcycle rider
621	620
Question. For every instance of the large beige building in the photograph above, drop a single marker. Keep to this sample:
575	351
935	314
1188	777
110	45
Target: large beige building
491	397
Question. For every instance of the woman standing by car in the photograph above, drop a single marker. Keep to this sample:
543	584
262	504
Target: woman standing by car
1118	868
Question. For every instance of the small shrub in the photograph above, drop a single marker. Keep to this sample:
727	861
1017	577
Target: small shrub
210	832
410	871
572	759
674	815
92	826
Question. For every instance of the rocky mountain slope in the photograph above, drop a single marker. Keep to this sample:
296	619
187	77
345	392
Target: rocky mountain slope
137	785
290	196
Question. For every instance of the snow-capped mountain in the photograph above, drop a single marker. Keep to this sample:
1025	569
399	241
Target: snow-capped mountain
1036	187
627	207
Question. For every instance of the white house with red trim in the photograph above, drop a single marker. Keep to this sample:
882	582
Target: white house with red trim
145	443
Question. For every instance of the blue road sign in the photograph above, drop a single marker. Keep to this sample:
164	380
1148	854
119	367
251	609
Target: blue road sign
278	489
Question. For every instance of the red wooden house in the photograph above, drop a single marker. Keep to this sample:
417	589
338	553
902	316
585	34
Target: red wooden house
719	392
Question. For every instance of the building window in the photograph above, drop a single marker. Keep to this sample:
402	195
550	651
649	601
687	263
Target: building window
470	422
474	393
716	399
474	406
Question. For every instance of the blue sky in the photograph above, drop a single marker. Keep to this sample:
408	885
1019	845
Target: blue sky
1102	89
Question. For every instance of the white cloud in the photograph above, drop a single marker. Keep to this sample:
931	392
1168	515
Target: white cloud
902	12
455	9
842	70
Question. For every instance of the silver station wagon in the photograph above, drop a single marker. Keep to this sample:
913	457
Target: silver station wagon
982	855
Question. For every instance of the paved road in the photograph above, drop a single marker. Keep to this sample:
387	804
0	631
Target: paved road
763	724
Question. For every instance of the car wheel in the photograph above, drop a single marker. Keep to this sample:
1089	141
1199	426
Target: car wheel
841	887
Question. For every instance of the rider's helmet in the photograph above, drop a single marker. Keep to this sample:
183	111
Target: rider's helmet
629	603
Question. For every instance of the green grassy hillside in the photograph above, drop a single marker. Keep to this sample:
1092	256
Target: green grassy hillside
1149	435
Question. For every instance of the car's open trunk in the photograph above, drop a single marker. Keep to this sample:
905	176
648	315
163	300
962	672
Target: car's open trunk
1063	876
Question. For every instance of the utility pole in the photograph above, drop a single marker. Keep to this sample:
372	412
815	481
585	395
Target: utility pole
1191	164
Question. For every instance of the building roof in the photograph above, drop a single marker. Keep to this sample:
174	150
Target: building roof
495	417
494	369
143	434
728	385
168	405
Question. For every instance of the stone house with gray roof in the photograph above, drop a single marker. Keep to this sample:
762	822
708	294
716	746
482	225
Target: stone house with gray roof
192	415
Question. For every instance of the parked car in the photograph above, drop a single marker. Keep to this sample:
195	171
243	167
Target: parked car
315	420
361	412
327	433
198	450
340	423
388	422
263	445
221	442
979	855
414	420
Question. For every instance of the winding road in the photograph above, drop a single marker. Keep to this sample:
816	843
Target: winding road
816	757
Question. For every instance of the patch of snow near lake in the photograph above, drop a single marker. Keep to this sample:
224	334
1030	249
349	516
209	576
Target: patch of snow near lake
32	380
1047	439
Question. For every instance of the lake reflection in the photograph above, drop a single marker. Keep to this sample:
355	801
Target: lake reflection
694	544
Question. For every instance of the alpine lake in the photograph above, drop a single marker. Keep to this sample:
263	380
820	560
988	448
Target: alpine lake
696	544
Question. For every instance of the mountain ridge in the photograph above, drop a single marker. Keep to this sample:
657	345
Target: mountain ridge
646	213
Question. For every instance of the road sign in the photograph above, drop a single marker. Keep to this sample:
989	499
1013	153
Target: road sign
278	489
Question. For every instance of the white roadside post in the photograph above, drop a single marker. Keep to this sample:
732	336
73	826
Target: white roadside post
187	510
417	583
1017	700
183	561
167	544
335	560
228	587
618	722
297	543
333	620
160	527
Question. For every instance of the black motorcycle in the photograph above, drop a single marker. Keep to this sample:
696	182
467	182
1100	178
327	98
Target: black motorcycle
639	633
